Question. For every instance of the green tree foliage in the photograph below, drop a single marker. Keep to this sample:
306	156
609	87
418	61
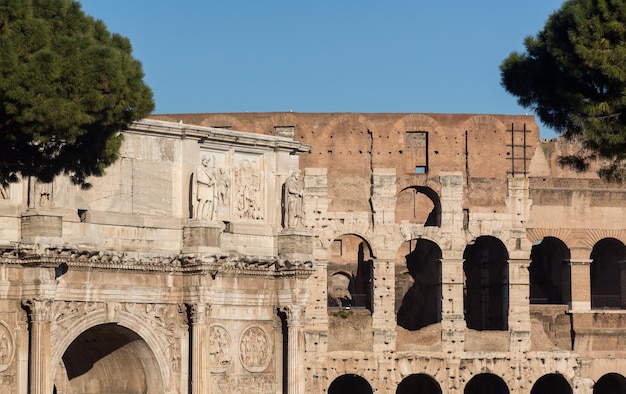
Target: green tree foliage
67	87
573	75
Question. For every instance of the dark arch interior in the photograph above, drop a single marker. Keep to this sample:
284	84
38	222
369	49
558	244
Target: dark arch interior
546	272
551	384
605	273
486	284
419	292
419	204
418	384
110	359
612	383
350	384
486	383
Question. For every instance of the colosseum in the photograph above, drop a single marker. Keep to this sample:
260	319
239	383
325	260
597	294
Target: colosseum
318	253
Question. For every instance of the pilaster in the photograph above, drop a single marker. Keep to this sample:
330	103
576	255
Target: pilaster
200	351
579	288
40	367
295	348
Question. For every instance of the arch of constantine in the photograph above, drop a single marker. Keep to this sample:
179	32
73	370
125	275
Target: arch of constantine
318	253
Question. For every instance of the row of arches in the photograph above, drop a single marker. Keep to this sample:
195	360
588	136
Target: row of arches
418	278
484	383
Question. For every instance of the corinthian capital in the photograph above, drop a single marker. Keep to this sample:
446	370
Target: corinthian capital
295	314
39	310
200	313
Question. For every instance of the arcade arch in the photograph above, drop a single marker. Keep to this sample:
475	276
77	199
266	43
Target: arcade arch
418	384
606	287
553	383
546	271
418	204
109	358
350	273
418	284
486	284
350	384
611	383
486	383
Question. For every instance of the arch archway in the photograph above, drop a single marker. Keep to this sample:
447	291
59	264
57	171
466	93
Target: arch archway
486	383
418	384
419	204
418	284
611	383
605	274
110	358
546	271
351	256
350	384
486	284
553	383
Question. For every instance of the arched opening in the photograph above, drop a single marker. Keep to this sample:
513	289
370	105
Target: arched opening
418	384
612	383
486	284
486	383
553	383
605	274
418	284
350	384
546	271
350	273
419	204
109	359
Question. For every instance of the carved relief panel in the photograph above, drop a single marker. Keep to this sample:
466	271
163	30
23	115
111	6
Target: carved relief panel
249	187
7	346
228	185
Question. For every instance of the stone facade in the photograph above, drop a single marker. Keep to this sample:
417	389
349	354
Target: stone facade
311	253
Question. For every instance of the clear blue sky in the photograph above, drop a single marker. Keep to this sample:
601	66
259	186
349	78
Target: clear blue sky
326	55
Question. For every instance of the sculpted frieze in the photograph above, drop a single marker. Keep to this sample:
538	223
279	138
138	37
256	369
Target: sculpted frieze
244	384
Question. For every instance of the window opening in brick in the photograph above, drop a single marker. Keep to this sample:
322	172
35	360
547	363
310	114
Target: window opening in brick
417	147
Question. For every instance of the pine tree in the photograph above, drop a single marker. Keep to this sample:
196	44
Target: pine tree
67	88
573	75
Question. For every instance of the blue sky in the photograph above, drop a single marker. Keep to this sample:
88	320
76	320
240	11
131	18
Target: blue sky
326	55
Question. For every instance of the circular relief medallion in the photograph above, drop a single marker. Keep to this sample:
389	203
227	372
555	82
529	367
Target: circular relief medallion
7	347
254	349
220	348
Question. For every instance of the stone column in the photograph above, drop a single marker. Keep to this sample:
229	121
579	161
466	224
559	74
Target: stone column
200	351
295	349
579	284
40	355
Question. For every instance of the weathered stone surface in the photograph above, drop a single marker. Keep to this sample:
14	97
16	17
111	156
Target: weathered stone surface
459	250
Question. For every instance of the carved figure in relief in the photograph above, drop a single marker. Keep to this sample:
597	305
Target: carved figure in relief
254	350
293	191
248	194
4	349
223	184
204	185
219	349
